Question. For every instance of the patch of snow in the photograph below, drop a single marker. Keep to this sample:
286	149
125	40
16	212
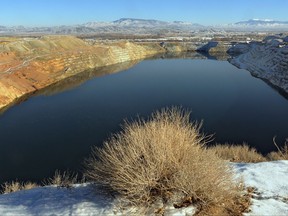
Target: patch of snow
268	207
81	199
270	179
50	200
265	20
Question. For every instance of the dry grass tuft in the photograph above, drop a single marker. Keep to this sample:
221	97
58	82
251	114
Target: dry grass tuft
281	154
9	187
29	185
65	179
164	158
237	153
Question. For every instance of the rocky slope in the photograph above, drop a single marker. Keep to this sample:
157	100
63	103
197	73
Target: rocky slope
267	60
30	64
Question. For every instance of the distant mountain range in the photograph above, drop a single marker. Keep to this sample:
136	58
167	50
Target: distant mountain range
141	23
140	26
129	25
262	23
124	25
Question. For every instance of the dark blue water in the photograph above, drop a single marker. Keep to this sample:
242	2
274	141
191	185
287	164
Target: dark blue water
46	133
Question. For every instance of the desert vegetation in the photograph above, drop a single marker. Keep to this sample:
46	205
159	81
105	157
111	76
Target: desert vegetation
60	179
65	179
237	153
165	158
281	154
9	187
243	153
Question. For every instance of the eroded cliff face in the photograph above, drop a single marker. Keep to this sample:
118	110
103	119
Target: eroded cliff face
30	64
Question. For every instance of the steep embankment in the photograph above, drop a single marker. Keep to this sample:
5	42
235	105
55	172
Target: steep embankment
30	64
267	60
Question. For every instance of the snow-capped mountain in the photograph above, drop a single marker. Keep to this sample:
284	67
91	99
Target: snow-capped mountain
143	26
97	24
139	22
262	23
124	25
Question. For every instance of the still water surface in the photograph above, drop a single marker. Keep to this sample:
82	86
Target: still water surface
52	132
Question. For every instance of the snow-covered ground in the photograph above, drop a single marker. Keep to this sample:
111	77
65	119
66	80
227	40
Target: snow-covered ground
270	179
267	60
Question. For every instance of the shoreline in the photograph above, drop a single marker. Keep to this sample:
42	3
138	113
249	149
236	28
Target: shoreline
266	60
29	65
32	64
47	66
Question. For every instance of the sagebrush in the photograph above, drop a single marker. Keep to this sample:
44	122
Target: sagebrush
163	158
238	153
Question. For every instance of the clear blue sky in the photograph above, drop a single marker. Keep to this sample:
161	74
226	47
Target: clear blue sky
67	12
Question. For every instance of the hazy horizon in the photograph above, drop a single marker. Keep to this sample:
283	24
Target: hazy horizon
100	21
207	12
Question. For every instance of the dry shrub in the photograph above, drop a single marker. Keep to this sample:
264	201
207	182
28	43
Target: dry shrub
9	187
281	154
164	158
65	179
237	153
29	185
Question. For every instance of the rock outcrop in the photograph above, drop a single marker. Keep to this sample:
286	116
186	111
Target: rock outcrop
30	64
215	47
267	60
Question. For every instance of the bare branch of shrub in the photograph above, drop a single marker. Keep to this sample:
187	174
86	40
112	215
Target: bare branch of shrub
281	154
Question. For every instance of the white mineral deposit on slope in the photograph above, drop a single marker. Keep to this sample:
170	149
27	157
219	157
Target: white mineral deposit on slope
269	178
267	60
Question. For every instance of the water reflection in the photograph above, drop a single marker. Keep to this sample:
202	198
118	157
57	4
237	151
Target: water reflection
193	55
74	81
280	90
56	128
78	79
